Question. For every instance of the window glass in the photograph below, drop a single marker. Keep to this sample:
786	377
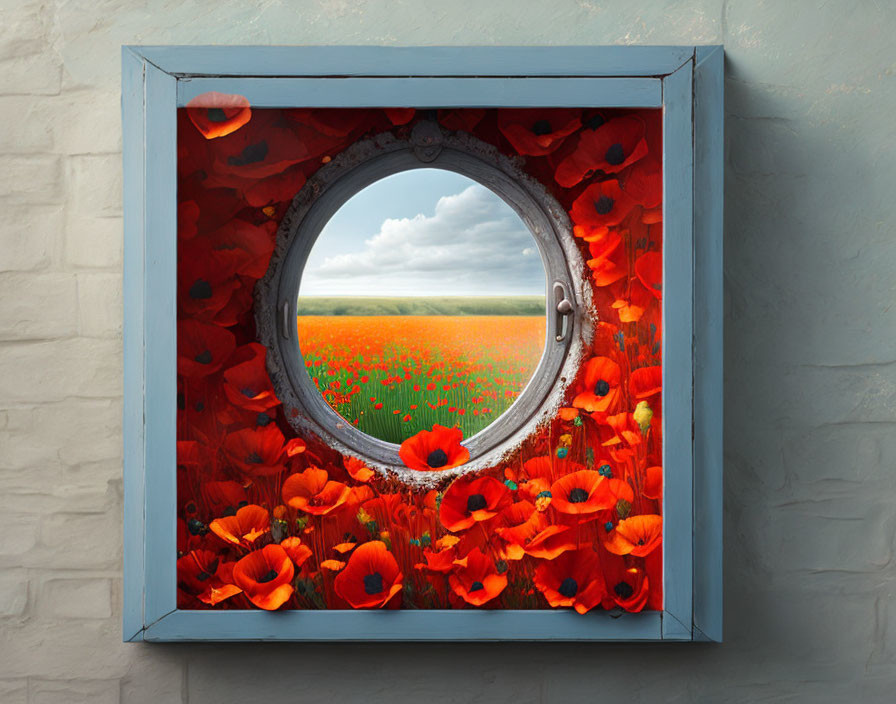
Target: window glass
422	302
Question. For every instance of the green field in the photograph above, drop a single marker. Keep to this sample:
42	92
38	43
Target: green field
422	305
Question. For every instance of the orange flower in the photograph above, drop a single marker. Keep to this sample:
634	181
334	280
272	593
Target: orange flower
609	259
311	492
611	147
266	577
581	492
371	578
653	483
202	574
249	524
434	450
218	114
477	580
637	535
573	579
358	471
467	501
602	392
297	551
533	536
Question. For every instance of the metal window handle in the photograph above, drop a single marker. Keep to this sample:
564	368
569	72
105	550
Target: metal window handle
564	307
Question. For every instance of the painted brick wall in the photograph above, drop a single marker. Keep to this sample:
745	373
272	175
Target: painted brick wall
810	361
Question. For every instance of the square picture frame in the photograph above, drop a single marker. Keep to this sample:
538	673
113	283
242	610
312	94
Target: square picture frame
686	82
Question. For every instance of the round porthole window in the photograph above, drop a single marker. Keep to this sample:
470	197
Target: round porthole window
420	284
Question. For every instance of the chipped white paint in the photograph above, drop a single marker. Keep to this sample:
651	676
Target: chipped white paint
810	366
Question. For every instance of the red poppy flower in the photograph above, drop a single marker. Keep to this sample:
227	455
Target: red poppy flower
201	348
332	122
298	552
649	269
627	587
206	279
311	491
602	391
653	483
626	430
468	500
602	204
581	492
399	116
250	246
434	450
203	574
646	382
371	577
611	147
573	579
609	259
644	182
477	580
636	535
278	188
247	384
223	497
254	153
441	560
266	577
218	114
248	525
257	451
536	131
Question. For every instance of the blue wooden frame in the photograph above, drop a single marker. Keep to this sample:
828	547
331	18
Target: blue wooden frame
686	81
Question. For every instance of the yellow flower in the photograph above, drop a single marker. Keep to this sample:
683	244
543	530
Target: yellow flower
642	415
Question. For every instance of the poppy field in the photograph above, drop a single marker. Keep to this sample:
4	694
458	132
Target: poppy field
268	518
393	376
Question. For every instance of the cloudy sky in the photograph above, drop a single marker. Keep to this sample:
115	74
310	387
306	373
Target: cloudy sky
426	232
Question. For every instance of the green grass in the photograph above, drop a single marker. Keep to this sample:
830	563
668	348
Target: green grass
422	305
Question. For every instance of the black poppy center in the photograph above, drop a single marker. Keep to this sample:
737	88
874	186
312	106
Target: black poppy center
196	527
216	115
578	496
476	502
603	205
437	458
204	357
250	155
254	458
202	576
200	290
615	154
601	388
594	122
542	127
476	586
248	392
263	419
373	583
569	587
623	590
270	576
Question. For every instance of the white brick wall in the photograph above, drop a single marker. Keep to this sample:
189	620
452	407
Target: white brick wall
810	367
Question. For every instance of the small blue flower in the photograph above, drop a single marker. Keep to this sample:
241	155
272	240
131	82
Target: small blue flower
562	452
608	526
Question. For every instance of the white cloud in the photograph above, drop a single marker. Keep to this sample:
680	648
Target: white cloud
473	244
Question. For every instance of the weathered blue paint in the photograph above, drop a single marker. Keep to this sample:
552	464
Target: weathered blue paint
335	61
709	176
155	79
160	311
432	92
678	328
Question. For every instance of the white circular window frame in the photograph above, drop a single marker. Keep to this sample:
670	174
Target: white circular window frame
569	315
